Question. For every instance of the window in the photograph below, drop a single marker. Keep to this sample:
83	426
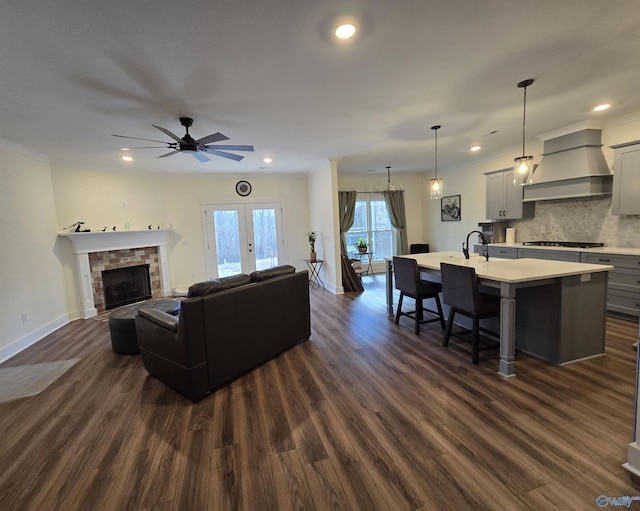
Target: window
371	222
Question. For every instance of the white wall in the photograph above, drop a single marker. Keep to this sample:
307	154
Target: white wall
572	220
98	197
470	183
31	280
416	196
187	196
323	218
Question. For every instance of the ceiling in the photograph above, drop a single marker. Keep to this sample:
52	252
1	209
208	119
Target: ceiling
269	73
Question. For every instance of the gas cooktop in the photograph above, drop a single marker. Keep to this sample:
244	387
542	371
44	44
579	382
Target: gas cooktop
571	244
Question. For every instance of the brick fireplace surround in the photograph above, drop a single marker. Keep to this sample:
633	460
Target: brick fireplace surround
98	251
115	259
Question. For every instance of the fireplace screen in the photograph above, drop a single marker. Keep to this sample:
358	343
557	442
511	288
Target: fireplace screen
126	285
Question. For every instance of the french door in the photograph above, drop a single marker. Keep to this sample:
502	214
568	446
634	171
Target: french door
242	238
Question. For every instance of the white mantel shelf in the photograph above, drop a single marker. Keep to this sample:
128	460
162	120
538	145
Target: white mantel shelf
84	243
100	241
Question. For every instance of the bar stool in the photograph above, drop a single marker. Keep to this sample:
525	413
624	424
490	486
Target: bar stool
409	283
460	292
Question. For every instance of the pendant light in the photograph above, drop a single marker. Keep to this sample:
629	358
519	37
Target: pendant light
389	185
435	187
523	165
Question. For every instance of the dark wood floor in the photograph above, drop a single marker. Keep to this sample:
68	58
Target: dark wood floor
366	415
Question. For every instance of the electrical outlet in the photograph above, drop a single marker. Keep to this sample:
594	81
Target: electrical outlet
25	318
542	229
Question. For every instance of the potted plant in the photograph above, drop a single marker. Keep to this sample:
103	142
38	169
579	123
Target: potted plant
361	245
312	236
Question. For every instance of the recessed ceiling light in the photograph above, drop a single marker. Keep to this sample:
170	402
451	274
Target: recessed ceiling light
474	148
267	159
127	158
602	107
345	31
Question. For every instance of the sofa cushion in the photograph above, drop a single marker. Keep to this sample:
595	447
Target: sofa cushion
216	285
270	273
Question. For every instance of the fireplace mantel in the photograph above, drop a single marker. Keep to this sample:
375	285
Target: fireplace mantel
84	243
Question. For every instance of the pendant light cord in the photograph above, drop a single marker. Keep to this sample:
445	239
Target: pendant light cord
436	128
524	84
524	119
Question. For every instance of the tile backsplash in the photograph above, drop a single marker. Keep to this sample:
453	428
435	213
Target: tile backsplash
579	220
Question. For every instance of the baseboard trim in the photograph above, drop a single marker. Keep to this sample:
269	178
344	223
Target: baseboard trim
30	339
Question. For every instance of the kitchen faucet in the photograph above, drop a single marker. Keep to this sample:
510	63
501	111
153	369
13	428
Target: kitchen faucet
465	250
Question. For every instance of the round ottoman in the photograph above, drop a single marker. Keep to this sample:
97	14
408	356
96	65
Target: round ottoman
122	323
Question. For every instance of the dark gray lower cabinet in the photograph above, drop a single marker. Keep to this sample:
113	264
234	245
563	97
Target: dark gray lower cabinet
623	289
623	293
554	255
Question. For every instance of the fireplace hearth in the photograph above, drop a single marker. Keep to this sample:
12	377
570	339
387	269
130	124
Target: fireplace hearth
127	285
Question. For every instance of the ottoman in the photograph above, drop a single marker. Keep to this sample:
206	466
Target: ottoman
122	323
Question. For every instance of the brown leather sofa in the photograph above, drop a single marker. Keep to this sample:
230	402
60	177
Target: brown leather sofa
226	327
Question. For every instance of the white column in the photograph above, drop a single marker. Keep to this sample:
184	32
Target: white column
507	330
163	259
84	286
633	450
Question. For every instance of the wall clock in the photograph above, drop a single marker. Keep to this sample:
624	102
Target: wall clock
243	188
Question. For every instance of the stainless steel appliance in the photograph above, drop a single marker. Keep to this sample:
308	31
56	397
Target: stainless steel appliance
494	232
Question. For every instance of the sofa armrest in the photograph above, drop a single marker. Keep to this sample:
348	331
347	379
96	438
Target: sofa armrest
160	318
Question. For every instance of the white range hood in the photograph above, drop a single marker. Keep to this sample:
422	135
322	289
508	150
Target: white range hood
572	166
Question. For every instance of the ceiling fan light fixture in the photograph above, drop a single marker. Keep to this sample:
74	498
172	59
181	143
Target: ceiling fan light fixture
523	165
436	185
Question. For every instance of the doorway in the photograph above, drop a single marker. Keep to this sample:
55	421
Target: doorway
242	238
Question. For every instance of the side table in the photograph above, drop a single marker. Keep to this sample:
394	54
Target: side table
368	262
314	272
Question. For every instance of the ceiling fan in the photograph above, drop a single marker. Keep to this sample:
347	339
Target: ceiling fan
188	144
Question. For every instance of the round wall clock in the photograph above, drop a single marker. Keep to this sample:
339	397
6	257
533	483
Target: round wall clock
243	188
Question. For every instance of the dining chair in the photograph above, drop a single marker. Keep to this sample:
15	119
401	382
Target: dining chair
460	292
419	248
409	283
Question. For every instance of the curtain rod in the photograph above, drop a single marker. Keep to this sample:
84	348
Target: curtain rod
381	191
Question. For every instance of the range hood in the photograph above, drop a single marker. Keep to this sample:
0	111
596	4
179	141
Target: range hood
572	166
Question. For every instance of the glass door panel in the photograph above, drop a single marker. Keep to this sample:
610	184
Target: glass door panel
265	237
242	238
227	239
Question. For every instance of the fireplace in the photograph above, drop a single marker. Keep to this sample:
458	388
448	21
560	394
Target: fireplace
99	251
122	286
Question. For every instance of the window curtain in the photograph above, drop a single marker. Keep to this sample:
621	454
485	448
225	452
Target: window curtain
395	206
347	205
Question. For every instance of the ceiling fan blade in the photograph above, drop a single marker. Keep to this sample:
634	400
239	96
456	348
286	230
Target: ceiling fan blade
201	157
145	139
216	137
147	147
169	154
168	133
235	157
232	147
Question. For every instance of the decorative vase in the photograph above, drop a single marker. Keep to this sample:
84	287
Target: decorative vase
312	257
362	250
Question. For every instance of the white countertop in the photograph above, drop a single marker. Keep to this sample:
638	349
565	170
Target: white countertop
598	250
509	270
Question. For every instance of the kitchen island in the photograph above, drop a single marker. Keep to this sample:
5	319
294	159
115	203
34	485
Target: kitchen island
555	310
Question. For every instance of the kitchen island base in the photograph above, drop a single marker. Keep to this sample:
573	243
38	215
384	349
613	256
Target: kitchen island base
563	321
